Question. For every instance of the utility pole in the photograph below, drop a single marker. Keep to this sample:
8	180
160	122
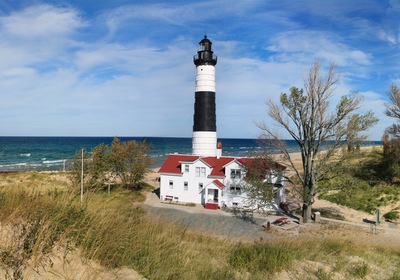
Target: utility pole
82	179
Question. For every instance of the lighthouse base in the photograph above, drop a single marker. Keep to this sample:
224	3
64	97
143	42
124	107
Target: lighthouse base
204	143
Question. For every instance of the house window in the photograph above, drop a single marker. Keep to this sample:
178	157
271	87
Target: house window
200	172
203	172
185	186
235	190
236	174
200	187
171	184
186	168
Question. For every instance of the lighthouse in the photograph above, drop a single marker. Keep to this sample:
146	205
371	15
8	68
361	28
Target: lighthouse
204	140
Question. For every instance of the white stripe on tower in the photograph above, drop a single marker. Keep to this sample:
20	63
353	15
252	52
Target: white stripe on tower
204	141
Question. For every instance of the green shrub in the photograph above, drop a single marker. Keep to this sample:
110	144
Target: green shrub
390	216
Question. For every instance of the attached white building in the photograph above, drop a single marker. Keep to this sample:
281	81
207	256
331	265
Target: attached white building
211	181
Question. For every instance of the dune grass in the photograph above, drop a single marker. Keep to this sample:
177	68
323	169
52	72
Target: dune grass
114	232
362	183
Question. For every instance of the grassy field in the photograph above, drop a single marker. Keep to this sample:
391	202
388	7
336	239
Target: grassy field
40	213
362	186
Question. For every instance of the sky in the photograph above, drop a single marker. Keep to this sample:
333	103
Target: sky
125	67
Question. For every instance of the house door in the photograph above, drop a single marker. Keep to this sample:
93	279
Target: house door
212	196
216	196
203	196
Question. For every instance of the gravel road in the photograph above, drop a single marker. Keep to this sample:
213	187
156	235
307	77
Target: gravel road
211	221
215	224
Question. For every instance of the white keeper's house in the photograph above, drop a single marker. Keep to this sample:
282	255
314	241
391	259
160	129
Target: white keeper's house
214	182
205	176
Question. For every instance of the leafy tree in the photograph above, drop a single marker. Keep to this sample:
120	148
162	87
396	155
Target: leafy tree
124	163
116	159
355	128
130	161
259	182
305	114
391	137
391	152
99	165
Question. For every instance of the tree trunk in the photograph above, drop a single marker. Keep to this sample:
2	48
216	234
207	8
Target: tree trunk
307	213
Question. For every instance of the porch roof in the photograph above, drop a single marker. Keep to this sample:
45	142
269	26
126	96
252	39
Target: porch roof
219	184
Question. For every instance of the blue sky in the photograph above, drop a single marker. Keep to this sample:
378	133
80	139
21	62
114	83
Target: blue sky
125	68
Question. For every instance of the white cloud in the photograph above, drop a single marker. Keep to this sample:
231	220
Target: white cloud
38	35
41	22
305	46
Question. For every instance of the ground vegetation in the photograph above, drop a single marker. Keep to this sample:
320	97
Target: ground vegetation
46	219
364	184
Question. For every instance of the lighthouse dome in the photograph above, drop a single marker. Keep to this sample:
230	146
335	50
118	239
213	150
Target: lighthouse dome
205	54
205	44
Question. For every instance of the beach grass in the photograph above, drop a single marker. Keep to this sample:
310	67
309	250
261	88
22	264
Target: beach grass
116	232
362	184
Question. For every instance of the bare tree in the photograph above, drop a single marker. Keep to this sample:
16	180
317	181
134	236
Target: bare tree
393	108
306	116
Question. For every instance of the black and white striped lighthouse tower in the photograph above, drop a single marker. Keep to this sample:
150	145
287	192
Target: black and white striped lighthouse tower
204	141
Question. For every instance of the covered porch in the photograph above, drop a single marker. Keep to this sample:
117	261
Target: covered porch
213	193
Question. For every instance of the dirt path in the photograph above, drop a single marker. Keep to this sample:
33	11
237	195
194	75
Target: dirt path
347	213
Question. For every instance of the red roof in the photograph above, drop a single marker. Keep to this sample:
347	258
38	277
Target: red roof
217	165
173	164
219	184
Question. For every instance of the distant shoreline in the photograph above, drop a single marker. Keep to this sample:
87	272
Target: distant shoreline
53	153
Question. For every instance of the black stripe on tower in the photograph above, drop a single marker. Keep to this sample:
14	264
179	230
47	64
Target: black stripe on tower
204	111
